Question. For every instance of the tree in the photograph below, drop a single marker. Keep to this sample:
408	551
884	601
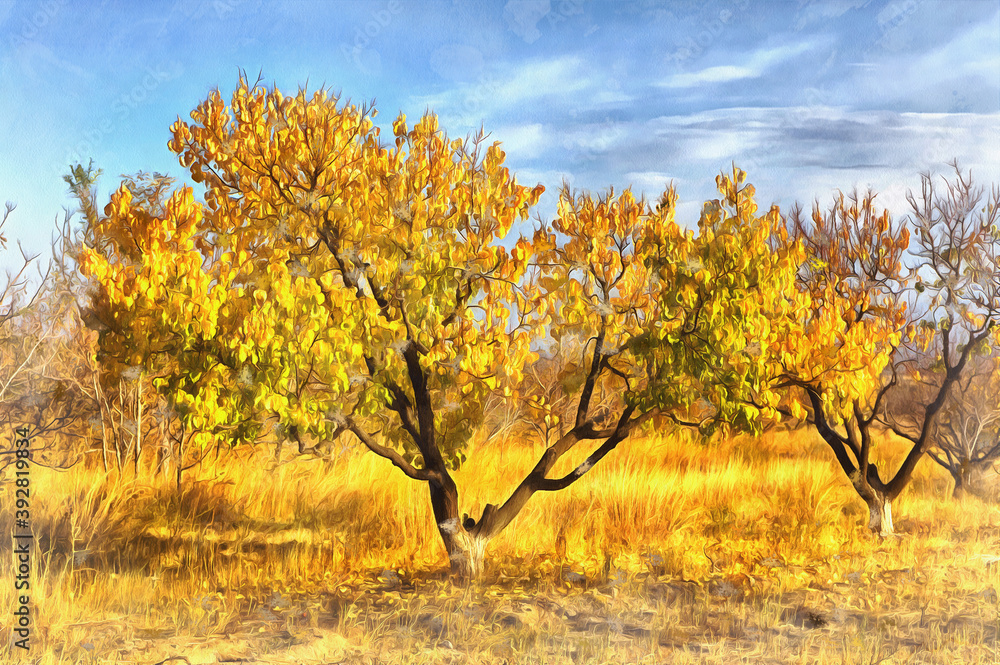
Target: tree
870	318
22	339
672	323
345	284
17	286
967	436
340	284
154	304
115	405
34	391
36	367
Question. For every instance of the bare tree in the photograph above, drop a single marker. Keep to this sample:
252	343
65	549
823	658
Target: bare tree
967	437
31	397
957	294
18	344
14	298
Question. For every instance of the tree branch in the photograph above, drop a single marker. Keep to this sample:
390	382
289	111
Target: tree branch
388	453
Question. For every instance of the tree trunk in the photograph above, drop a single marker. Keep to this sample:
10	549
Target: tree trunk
163	450
880	515
960	485
138	424
465	550
180	458
465	555
878	497
970	480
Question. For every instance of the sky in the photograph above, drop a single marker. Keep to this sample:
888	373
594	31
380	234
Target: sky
807	96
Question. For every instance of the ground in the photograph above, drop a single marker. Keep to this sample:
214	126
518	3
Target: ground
674	551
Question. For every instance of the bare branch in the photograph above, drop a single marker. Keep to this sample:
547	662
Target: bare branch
388	453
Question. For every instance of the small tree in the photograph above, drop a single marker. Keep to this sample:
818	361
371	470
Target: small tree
967	438
673	324
118	396
14	297
35	390
36	368
870	318
23	337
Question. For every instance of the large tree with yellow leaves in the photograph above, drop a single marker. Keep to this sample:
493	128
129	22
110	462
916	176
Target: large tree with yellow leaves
343	283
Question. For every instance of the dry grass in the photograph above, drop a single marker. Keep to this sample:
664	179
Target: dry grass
742	551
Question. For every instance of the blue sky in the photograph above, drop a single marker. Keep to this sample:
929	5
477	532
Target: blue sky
807	96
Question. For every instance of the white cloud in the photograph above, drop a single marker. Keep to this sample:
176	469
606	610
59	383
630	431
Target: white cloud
754	66
975	51
720	147
653	183
552	179
525	141
520	86
721	74
790	153
543	78
822	12
688	211
593	139
609	97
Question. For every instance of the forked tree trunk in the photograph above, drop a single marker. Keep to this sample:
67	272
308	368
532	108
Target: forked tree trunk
465	539
878	498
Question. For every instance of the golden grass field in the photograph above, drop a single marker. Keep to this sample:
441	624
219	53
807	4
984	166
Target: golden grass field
669	551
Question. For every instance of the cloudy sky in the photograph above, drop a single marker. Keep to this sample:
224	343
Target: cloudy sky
808	96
